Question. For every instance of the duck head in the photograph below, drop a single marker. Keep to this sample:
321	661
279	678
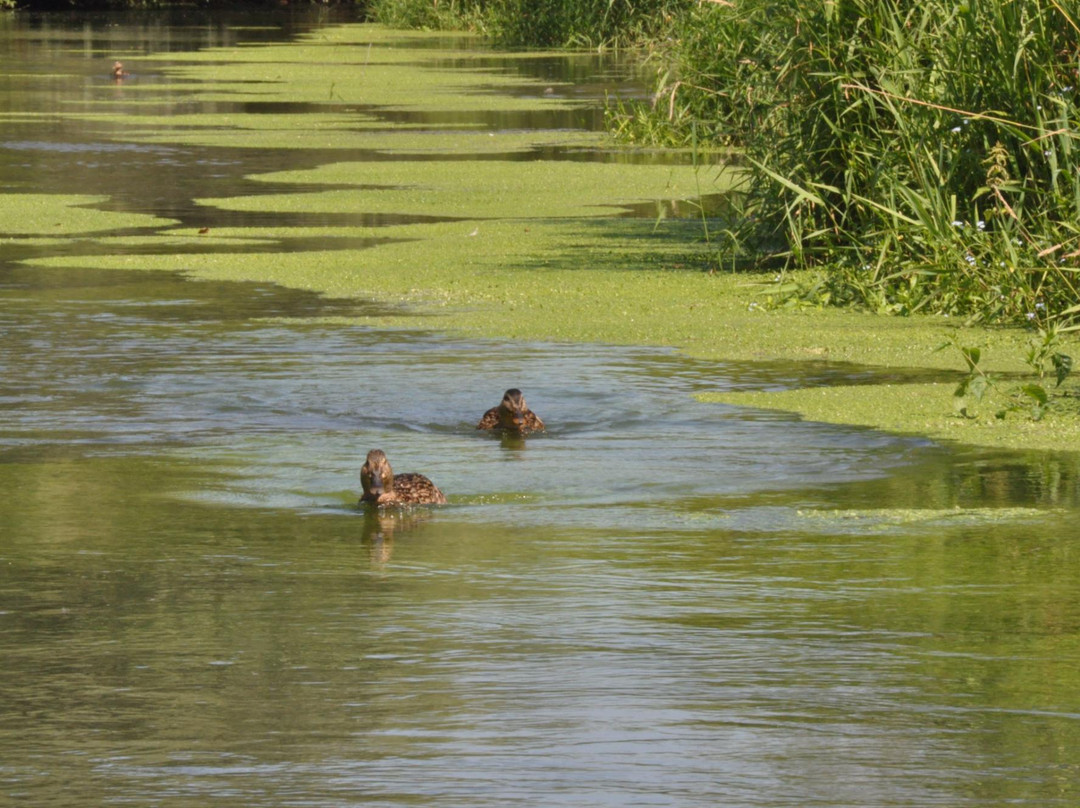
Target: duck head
377	477
512	410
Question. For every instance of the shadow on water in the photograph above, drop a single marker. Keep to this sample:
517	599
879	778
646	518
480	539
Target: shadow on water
655	602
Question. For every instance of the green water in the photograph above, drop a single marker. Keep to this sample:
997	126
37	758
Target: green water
657	602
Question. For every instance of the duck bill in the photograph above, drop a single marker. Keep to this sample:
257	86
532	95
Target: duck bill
514	420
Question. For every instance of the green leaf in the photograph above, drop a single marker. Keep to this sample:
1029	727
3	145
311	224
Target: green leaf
1062	366
972	355
799	191
1036	392
977	387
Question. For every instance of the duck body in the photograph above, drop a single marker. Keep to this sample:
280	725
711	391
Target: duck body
382	487
512	415
118	72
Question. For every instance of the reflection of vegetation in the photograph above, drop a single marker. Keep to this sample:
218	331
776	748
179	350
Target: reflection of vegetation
159	627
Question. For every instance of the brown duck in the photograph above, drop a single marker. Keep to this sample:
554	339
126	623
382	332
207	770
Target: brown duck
512	415
383	487
118	72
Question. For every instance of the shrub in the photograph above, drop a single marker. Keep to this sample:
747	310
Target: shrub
537	23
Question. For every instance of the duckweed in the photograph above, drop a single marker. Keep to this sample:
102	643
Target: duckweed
373	67
67	215
885	520
924	409
475	189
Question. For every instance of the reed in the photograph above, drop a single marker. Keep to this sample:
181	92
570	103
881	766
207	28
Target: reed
432	15
539	23
922	156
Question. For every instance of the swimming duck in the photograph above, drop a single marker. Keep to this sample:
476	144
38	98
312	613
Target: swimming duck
512	414
383	487
118	72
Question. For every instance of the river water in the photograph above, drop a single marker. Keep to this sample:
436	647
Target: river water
655	603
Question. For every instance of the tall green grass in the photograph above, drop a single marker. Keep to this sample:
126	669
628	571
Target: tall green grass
432	15
538	23
923	156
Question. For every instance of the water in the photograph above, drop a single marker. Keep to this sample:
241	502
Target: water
655	603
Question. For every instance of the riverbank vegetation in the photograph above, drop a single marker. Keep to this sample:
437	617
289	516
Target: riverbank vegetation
539	23
921	156
916	157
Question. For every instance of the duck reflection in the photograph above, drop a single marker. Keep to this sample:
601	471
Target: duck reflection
514	443
380	528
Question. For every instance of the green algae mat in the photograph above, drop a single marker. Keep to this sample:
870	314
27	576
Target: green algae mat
449	185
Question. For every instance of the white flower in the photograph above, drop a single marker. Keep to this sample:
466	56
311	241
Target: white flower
957	224
981	225
1030	315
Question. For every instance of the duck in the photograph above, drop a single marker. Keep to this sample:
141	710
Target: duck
118	72
512	415
383	487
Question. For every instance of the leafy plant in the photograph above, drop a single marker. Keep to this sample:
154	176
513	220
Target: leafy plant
1045	351
979	386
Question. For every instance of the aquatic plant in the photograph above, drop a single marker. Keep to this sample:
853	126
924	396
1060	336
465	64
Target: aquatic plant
980	386
922	155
